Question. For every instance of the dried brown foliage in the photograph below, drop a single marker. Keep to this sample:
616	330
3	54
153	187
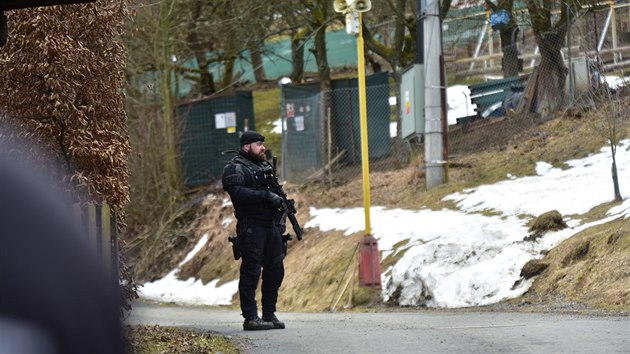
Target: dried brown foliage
61	75
61	91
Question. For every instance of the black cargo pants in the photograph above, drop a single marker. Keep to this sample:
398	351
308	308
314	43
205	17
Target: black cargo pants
261	248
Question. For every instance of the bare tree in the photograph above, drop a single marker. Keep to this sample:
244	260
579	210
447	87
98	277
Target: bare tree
319	11
196	44
297	26
611	113
507	34
550	31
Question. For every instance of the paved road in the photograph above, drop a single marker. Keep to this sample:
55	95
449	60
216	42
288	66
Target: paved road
407	332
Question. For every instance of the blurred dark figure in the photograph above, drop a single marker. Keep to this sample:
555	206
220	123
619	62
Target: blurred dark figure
54	296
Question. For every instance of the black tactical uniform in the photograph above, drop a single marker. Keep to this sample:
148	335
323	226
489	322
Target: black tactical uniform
247	181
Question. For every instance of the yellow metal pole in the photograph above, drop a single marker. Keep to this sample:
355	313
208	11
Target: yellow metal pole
365	164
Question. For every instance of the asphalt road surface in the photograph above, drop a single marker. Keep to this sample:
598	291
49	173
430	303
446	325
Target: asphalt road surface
405	332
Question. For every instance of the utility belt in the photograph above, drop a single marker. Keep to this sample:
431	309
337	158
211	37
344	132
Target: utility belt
259	222
255	219
259	211
237	239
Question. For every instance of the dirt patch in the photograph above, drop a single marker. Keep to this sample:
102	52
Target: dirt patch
576	253
549	221
491	133
533	268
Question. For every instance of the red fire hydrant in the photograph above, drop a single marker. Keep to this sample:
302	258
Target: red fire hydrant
369	263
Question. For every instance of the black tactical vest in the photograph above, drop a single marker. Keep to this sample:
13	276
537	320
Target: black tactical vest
243	172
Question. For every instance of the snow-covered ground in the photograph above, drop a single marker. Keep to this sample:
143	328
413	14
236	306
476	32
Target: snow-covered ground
458	257
463	258
191	291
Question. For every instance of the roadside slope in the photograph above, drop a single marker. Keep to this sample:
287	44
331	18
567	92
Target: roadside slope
588	269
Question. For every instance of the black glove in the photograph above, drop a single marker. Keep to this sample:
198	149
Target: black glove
274	199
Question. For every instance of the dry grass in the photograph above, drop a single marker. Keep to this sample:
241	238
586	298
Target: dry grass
592	268
158	339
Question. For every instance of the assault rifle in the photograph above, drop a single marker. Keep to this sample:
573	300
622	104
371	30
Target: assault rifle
288	208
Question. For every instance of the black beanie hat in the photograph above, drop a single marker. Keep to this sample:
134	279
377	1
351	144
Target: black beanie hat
251	137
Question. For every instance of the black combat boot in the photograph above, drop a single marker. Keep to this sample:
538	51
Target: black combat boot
277	324
256	324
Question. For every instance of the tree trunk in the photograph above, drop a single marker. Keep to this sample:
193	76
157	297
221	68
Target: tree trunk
613	170
257	63
206	80
229	62
508	38
321	57
169	102
297	56
510	52
551	74
374	64
228	71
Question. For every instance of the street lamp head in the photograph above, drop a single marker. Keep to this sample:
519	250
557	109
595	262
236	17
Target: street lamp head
345	6
362	5
341	6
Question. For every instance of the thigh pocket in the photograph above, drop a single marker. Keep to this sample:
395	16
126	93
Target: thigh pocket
251	252
251	244
243	230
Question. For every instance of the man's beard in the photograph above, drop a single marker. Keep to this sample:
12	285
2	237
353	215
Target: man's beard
256	157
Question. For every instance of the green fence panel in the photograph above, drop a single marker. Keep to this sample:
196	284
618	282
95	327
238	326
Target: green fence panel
301	151
347	117
206	128
311	139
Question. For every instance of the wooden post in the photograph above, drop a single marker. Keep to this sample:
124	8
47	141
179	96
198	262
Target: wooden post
90	218
106	235
99	224
613	19
490	38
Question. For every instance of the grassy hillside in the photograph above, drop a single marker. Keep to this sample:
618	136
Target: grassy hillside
590	268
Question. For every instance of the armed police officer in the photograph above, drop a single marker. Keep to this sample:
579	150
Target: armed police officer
247	179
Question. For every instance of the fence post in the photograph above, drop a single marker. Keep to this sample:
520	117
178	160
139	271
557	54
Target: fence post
106	235
614	30
90	216
99	223
571	71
